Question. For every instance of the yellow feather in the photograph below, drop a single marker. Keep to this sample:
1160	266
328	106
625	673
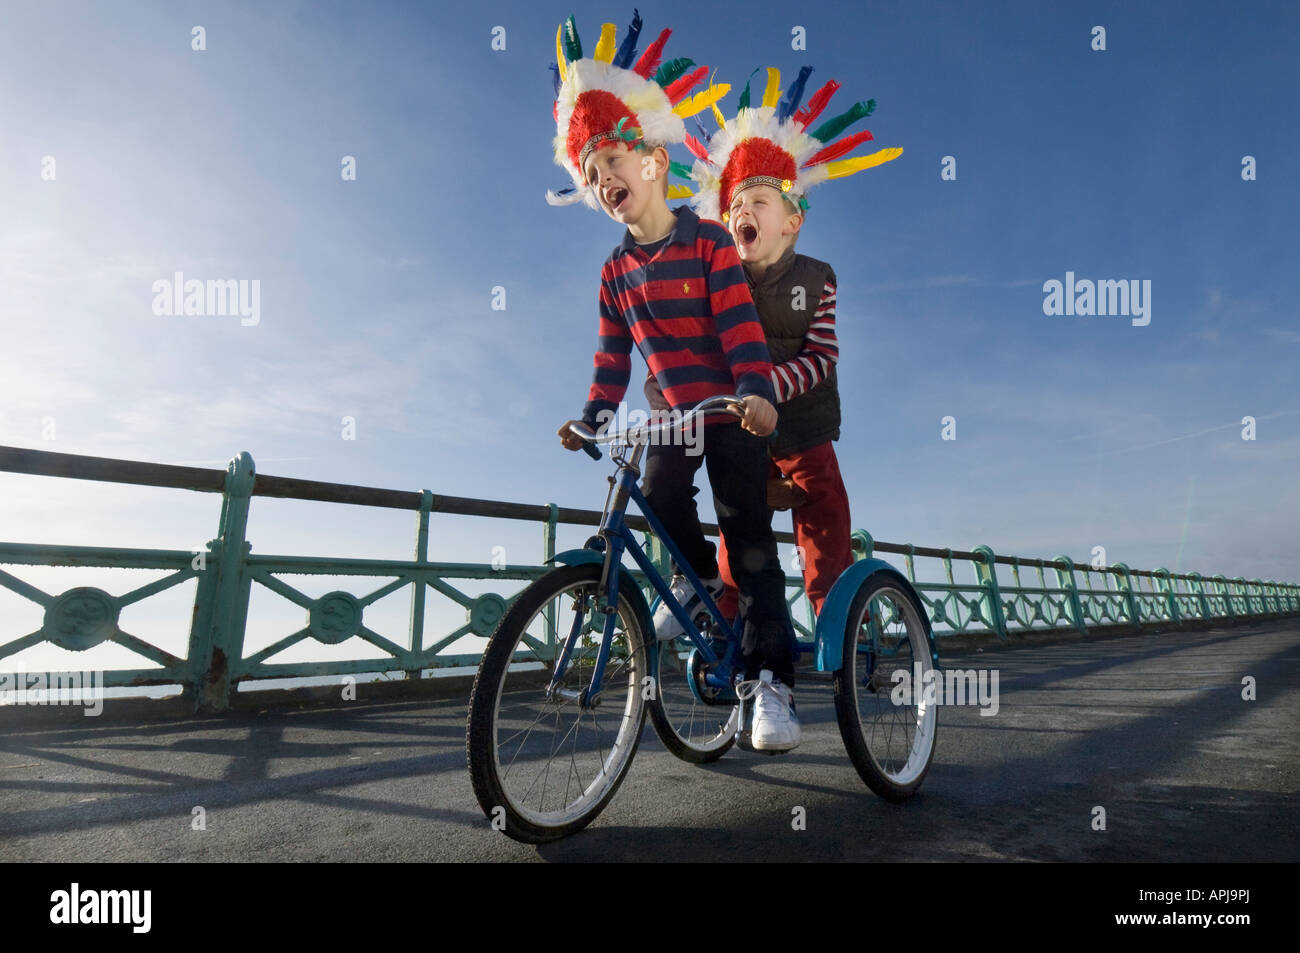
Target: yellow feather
717	113
679	192
701	101
772	95
605	48
837	170
559	54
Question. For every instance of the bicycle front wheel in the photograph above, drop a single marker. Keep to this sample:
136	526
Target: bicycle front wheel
543	764
889	735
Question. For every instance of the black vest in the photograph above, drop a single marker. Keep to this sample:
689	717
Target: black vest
814	417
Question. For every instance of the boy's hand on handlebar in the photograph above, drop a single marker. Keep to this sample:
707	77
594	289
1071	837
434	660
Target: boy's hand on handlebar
570	439
760	416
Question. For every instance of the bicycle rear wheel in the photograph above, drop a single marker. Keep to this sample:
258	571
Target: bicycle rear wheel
695	722
891	744
544	767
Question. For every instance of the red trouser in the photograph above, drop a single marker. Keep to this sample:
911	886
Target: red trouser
821	525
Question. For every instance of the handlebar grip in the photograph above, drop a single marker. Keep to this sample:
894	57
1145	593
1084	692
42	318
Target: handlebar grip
591	450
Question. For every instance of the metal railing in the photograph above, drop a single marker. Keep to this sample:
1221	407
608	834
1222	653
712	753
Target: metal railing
1065	596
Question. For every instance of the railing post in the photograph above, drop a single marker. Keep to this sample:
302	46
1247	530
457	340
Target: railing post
1166	586
1227	595
1198	587
548	549
417	581
230	607
861	544
986	575
1065	577
1126	587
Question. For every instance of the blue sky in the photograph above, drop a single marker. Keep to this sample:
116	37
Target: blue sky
1072	432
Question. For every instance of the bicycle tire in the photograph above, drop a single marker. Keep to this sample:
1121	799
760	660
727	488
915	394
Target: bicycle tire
695	731
523	628
865	682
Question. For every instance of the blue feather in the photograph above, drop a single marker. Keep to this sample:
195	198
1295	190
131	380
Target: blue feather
626	54
793	95
555	79
704	136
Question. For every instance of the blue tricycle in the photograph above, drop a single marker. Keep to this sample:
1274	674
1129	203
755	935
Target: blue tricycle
567	678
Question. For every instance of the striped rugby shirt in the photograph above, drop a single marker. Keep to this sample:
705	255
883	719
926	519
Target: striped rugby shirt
820	353
689	311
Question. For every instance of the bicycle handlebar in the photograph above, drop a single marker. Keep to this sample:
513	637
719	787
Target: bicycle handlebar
723	402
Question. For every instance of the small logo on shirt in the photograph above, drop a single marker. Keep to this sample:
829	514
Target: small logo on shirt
686	287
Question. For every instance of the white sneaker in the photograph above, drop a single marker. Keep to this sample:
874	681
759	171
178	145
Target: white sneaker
776	725
666	625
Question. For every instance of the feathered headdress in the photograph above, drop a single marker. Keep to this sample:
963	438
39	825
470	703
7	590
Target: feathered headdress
770	145
605	98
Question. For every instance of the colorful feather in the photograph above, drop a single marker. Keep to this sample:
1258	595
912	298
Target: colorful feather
819	101
627	50
697	148
671	70
572	45
837	170
744	97
559	53
793	95
679	169
555	79
701	101
684	83
704	134
569	196
838	149
833	127
649	61
605	45
676	191
772	94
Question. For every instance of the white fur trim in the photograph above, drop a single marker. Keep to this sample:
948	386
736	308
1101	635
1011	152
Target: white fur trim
659	124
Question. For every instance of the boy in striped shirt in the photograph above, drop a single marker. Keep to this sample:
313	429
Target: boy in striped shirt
675	288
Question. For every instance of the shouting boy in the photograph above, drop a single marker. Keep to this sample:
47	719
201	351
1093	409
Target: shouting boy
674	287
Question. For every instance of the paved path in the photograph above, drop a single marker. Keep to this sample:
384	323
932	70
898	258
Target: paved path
1152	728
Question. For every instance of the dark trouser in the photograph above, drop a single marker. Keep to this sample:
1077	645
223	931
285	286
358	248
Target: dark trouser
737	464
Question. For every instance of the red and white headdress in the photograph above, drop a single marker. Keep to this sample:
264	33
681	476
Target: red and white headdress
769	145
605	99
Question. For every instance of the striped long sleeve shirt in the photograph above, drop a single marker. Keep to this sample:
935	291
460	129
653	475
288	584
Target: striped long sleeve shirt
689	310
820	352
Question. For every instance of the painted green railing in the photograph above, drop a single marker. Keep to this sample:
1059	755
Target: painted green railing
1064	596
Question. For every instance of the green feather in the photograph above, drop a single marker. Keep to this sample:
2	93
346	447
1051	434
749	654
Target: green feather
744	97
833	127
671	70
572	45
679	169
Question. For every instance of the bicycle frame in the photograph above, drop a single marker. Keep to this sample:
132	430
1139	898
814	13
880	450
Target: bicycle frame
617	539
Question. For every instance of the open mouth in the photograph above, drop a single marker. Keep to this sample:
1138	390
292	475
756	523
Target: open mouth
614	197
748	234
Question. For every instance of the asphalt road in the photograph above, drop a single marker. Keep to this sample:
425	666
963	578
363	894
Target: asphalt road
1152	728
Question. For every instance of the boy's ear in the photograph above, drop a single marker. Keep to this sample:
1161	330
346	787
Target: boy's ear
793	222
